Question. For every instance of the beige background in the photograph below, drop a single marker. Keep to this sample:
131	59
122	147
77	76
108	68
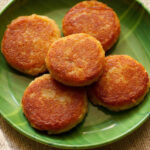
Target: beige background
10	139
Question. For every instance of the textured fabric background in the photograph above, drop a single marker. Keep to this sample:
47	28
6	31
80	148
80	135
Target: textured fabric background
10	139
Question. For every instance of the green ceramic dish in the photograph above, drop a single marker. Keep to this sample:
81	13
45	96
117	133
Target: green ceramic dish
100	127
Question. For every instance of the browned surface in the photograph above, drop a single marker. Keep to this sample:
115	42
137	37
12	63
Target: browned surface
94	18
123	83
26	42
51	106
76	59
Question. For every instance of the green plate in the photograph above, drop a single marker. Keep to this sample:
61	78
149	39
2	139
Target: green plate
100	126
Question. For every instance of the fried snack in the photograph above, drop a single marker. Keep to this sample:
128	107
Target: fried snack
26	42
94	18
123	84
53	107
76	60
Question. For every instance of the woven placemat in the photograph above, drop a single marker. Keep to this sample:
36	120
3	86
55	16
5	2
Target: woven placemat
146	3
10	139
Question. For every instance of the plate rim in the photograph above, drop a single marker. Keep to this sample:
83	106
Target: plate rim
6	6
87	146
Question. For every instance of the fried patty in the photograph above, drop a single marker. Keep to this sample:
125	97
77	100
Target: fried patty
94	18
51	106
123	84
76	60
26	42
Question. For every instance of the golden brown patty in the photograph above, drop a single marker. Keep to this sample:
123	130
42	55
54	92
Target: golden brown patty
76	60
94	18
51	106
123	84
26	42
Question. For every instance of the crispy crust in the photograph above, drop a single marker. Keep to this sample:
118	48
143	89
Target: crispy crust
123	84
76	60
51	106
26	42
94	18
